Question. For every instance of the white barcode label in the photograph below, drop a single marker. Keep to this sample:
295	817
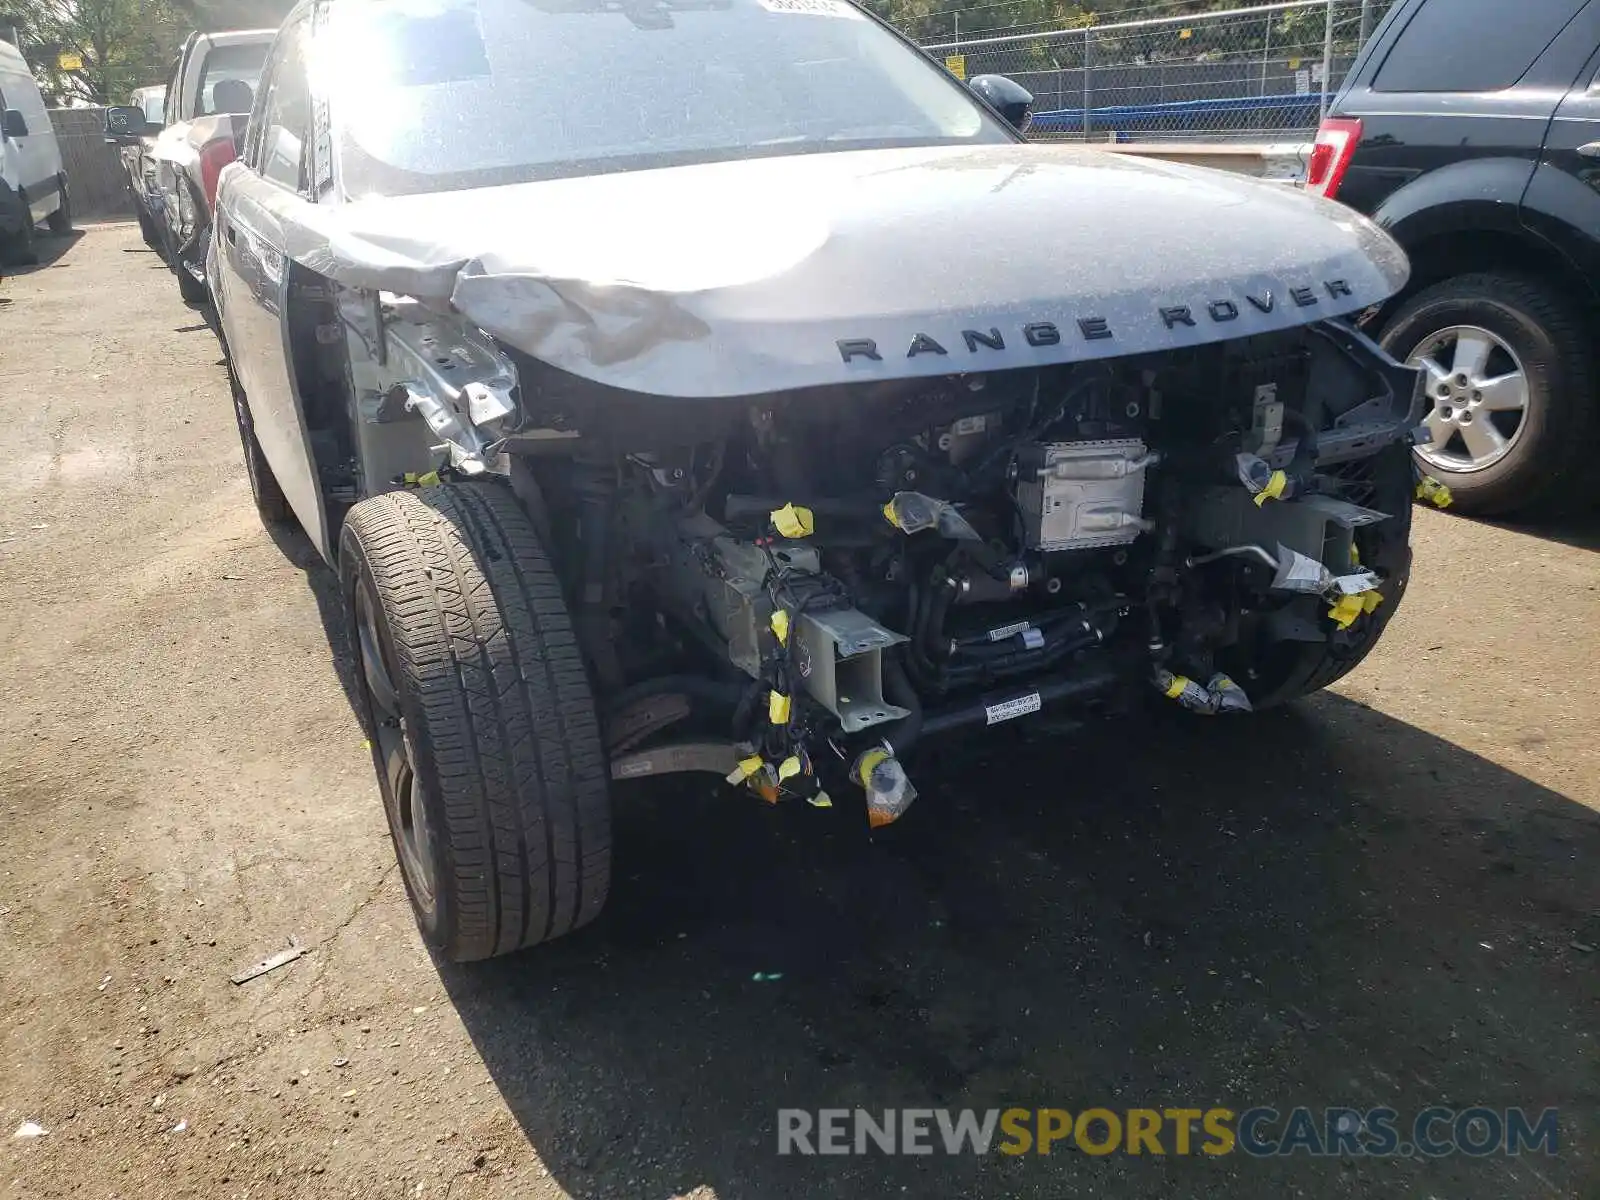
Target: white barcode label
1006	631
1010	710
1355	585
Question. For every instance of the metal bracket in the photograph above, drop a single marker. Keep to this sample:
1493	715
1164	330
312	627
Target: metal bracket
1266	431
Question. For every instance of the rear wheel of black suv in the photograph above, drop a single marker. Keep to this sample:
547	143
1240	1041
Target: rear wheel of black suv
1510	381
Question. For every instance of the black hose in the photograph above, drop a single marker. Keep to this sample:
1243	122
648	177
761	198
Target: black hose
1045	622
744	713
897	690
1034	431
1006	650
1018	662
1091	683
922	668
934	645
1303	466
1034	662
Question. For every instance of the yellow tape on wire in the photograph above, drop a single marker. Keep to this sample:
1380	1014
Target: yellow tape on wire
1346	609
868	763
1274	489
793	521
746	768
779	707
1434	492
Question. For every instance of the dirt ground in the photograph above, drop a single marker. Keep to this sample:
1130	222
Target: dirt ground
1385	896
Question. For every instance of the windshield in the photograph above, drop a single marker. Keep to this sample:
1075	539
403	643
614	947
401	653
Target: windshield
237	69
432	95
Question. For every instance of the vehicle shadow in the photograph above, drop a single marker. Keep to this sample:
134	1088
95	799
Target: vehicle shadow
1579	530
52	249
323	585
1320	906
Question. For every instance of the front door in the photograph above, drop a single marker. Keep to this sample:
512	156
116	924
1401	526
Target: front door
252	207
1564	197
34	157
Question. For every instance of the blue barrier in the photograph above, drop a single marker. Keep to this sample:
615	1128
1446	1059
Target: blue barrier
1294	110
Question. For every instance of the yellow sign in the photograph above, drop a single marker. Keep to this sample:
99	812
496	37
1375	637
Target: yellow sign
956	64
69	61
1294	64
1185	34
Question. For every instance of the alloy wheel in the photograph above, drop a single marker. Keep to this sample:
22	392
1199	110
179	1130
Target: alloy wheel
1480	396
394	752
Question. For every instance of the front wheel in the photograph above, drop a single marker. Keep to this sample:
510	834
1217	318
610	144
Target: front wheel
60	221
1510	382
480	718
21	249
190	289
149	230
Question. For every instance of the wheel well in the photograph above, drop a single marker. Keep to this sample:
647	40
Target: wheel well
1471	251
319	362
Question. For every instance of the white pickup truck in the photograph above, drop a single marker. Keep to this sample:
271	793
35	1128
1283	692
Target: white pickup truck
209	93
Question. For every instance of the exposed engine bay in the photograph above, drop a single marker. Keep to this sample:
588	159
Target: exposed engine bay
800	587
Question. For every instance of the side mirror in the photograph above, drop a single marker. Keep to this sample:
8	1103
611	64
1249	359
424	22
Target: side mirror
1007	97
14	124
125	124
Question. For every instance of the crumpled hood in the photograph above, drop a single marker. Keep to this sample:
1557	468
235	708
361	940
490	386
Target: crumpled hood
768	274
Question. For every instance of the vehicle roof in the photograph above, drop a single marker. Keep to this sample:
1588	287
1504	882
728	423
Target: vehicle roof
11	57
238	37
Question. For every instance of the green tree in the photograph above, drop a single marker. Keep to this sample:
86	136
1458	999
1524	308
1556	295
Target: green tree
118	45
213	15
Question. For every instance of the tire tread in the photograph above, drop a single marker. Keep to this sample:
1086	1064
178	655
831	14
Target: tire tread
487	650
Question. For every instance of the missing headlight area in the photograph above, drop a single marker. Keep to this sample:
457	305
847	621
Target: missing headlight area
816	576
808	584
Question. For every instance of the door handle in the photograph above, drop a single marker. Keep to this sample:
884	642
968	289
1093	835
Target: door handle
1590	150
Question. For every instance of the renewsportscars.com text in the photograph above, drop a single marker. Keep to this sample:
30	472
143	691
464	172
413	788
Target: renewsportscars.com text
1260	1132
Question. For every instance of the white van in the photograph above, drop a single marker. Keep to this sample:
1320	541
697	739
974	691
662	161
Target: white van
33	185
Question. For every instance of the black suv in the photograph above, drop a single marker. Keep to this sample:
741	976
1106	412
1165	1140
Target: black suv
1470	130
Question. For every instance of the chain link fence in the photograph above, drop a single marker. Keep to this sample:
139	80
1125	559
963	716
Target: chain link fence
95	178
1264	73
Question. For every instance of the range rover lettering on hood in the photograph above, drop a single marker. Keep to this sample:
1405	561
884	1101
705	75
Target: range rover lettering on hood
1097	328
764	275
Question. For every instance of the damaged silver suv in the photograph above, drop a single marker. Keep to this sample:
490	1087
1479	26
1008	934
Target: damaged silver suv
720	385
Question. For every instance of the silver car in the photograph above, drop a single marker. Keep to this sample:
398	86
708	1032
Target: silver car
722	386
